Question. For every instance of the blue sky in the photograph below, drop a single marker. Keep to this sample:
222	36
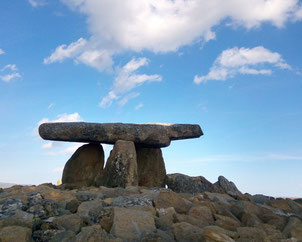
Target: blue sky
234	67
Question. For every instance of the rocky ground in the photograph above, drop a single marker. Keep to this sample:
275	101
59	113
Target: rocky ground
207	212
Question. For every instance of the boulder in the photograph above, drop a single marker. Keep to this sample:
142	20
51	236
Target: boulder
149	135
130	224
15	233
85	166
293	228
182	183
121	166
150	167
227	186
166	199
187	232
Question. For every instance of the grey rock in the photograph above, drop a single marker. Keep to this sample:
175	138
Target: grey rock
149	135
227	186
131	201
121	166
182	183
151	167
85	166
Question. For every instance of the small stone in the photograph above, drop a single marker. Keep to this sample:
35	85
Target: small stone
121	166
85	166
150	167
220	230
15	233
130	223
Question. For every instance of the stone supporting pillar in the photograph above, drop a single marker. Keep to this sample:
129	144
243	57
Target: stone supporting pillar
151	167
85	166
121	166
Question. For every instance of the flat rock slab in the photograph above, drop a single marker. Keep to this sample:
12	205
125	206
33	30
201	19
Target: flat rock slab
153	135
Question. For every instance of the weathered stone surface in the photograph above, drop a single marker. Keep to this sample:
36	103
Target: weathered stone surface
95	233
182	183
150	135
85	166
166	199
150	167
252	234
187	232
202	213
211	236
121	166
70	222
130	223
293	228
227	186
15	233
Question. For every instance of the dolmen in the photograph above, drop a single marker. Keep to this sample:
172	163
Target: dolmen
135	160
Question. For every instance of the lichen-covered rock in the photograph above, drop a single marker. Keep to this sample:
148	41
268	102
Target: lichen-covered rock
85	166
293	228
121	166
150	167
182	183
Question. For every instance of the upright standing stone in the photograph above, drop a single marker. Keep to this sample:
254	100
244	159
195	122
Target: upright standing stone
151	167
85	166
121	166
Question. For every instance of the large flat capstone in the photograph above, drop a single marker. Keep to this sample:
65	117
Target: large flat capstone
154	135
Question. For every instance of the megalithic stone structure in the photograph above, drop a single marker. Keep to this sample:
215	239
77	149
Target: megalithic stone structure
136	158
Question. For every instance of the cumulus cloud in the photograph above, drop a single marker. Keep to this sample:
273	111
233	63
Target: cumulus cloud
1	52
243	61
126	80
163	25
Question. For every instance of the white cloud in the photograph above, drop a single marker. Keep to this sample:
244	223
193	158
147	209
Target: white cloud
1	52
63	52
10	73
128	97
51	145
126	80
9	77
37	3
140	105
242	61
163	25
11	67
